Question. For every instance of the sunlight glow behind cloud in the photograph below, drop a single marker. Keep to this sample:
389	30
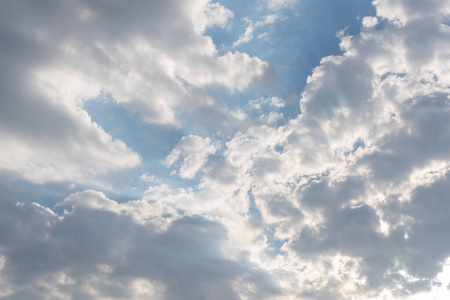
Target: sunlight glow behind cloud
152	149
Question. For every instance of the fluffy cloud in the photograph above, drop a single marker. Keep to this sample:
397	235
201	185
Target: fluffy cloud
46	256
50	67
349	200
193	151
405	11
343	184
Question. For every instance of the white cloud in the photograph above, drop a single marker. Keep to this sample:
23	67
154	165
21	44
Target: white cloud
247	36
50	68
141	211
273	102
214	14
345	182
280	4
236	71
405	11
369	22
193	151
53	143
149	178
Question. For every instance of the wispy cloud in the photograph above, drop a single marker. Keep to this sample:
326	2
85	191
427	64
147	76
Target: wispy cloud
247	36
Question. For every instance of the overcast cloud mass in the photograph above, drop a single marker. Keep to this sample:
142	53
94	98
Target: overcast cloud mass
194	149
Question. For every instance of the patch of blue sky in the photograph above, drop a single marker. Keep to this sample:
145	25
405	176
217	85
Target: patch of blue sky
242	10
45	194
358	144
152	142
253	210
239	99
294	44
279	148
274	243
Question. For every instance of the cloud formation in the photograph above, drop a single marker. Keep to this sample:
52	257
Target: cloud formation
347	200
58	55
125	256
193	151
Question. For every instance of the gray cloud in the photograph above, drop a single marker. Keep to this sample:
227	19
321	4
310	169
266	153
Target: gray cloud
92	253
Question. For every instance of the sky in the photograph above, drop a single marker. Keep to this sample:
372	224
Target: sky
201	149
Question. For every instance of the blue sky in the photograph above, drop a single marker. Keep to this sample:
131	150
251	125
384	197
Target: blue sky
263	149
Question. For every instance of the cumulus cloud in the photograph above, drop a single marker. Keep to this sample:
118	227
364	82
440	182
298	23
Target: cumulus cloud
349	200
214	14
405	11
339	183
369	21
51	67
193	151
50	256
